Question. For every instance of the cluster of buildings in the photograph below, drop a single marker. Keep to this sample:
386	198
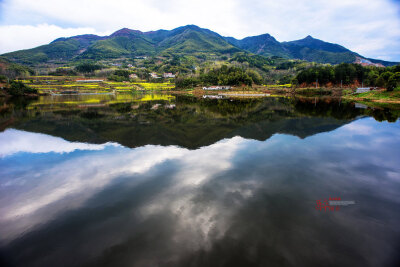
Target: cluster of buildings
90	80
217	88
165	75
168	75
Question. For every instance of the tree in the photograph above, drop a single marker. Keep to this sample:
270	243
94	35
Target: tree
18	88
393	82
345	73
372	78
255	76
88	67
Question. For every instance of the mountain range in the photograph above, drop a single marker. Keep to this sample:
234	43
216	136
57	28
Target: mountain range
187	40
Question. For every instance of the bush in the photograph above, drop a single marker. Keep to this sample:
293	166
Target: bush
393	81
186	82
226	76
18	88
88	67
63	72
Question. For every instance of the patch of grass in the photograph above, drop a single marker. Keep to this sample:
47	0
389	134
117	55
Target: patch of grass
313	91
156	86
379	95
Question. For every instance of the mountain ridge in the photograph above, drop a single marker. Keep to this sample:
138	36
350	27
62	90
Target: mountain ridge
189	39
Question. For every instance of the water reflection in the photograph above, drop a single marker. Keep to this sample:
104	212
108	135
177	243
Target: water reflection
237	202
184	121
14	141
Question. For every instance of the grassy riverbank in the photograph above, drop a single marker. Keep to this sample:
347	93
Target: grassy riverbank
379	96
50	84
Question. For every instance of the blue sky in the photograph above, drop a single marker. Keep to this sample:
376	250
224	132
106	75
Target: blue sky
371	28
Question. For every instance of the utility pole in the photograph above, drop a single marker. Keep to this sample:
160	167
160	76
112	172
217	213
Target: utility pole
316	84
341	83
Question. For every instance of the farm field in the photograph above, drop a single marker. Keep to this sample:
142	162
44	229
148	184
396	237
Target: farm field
57	85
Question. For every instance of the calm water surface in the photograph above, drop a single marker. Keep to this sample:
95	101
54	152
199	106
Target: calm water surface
180	181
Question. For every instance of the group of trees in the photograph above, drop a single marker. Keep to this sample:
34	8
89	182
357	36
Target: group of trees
228	76
63	72
120	76
84	68
17	88
224	75
252	60
350	73
88	67
13	70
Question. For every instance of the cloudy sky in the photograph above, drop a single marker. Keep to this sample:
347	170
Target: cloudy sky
369	27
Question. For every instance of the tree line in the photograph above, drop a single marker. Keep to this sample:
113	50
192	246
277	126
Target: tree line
346	74
224	75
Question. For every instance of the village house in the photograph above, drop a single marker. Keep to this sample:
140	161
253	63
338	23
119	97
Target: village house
363	90
217	88
133	76
154	75
90	81
168	75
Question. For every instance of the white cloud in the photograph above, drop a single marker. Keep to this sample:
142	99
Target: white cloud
28	36
371	28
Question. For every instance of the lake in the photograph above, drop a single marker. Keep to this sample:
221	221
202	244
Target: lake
174	180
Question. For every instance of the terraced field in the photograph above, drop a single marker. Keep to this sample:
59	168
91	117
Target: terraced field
57	85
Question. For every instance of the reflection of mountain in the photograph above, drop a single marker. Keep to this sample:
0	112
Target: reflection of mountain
192	124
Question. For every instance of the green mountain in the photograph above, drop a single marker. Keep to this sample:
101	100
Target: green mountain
315	50
126	43
309	49
316	44
264	45
186	40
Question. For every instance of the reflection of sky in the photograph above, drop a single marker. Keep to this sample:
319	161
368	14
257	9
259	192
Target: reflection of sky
261	193
15	141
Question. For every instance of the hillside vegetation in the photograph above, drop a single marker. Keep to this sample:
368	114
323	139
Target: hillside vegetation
186	40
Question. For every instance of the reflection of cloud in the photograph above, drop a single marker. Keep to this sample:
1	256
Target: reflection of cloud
13	141
94	172
65	180
358	128
236	197
195	169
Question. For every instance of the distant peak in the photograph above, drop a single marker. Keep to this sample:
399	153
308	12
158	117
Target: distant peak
309	37
191	26
265	35
125	32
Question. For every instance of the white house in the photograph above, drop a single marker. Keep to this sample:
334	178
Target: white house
168	75
90	81
154	75
363	90
217	88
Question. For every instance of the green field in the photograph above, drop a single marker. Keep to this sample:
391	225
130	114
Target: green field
50	84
